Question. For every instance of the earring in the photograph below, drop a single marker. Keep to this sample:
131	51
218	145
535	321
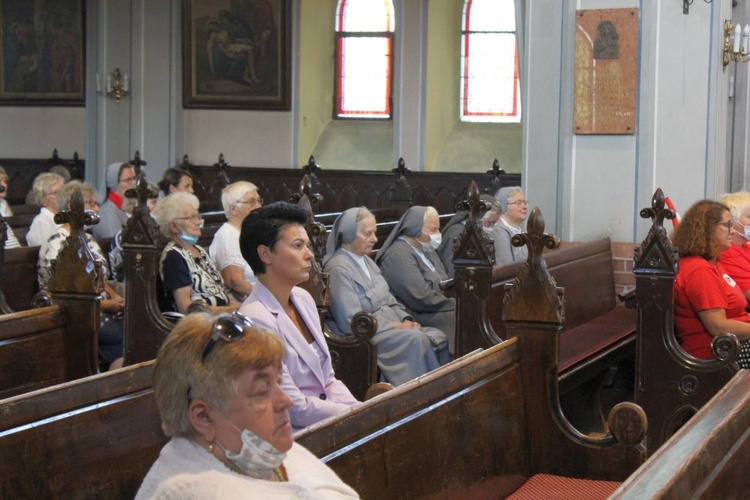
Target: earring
211	447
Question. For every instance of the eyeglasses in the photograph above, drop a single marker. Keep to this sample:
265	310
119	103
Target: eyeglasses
519	202
227	328
252	201
127	180
191	218
727	224
91	203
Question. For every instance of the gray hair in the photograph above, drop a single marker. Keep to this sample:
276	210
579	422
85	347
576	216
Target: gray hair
235	192
68	190
504	194
172	207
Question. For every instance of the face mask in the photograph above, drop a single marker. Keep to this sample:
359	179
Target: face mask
258	458
434	244
488	230
189	238
747	232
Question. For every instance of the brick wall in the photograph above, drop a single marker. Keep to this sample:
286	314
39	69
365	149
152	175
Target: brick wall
622	256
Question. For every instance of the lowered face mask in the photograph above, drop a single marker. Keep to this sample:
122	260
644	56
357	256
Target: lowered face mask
258	458
188	238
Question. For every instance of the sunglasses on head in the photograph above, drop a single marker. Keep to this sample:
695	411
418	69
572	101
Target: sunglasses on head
226	328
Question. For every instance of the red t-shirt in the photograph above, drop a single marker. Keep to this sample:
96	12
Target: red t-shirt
735	260
699	286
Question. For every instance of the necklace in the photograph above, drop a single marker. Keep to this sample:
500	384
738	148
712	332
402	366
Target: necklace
280	474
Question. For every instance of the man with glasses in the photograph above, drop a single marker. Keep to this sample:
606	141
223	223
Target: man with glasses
515	210
119	178
238	199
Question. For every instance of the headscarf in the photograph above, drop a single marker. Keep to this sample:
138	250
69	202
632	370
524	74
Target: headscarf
111	180
503	194
344	230
410	224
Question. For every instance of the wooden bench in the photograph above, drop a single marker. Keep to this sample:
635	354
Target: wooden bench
480	426
598	338
18	283
671	385
46	346
23	171
707	458
342	189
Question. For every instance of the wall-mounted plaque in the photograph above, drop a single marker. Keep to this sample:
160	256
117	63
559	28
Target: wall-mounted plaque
606	71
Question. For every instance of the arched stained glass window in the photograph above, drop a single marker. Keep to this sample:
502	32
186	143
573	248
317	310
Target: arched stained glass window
364	59
489	62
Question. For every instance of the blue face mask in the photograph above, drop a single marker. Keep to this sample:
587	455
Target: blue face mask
188	238
747	232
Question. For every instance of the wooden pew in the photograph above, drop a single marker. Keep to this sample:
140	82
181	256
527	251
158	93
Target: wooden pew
22	172
707	458
483	425
343	189
90	438
598	339
45	346
671	385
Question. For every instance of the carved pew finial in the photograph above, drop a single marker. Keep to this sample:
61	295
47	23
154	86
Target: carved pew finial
534	288
656	252
306	190
496	172
311	168
137	162
222	179
401	192
84	274
316	231
473	247
4	307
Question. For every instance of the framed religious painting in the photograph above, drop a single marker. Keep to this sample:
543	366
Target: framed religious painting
236	54
43	53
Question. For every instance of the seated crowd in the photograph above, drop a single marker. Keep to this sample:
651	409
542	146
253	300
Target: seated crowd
260	256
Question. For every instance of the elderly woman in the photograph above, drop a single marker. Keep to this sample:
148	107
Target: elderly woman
455	227
707	302
414	271
515	208
111	329
275	244
119	178
45	190
175	180
238	199
216	385
187	271
406	349
736	259
5	211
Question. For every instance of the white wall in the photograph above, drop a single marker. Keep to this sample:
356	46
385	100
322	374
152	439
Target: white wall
593	186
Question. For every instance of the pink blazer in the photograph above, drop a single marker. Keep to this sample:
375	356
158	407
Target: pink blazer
315	391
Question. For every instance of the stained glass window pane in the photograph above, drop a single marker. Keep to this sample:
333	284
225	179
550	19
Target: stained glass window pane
364	58
489	62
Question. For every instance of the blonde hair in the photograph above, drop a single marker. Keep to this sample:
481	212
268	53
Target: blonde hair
44	183
181	374
737	202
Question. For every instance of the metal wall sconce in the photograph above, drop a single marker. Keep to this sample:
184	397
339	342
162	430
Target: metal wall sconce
687	3
735	43
116	85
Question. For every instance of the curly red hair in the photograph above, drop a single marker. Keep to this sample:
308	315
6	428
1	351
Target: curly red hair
695	234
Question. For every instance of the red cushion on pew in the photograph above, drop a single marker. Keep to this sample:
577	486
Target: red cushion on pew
563	488
593	336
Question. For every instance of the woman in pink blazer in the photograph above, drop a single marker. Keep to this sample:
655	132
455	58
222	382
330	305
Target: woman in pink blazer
274	242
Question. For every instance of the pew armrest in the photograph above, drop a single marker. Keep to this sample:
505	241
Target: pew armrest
364	326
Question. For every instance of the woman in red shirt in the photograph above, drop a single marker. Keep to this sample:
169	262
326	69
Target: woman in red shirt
707	301
736	259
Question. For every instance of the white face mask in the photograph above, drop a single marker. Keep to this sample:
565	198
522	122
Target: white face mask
747	232
258	458
434	244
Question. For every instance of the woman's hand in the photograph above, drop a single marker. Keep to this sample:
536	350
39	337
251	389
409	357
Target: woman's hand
405	325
